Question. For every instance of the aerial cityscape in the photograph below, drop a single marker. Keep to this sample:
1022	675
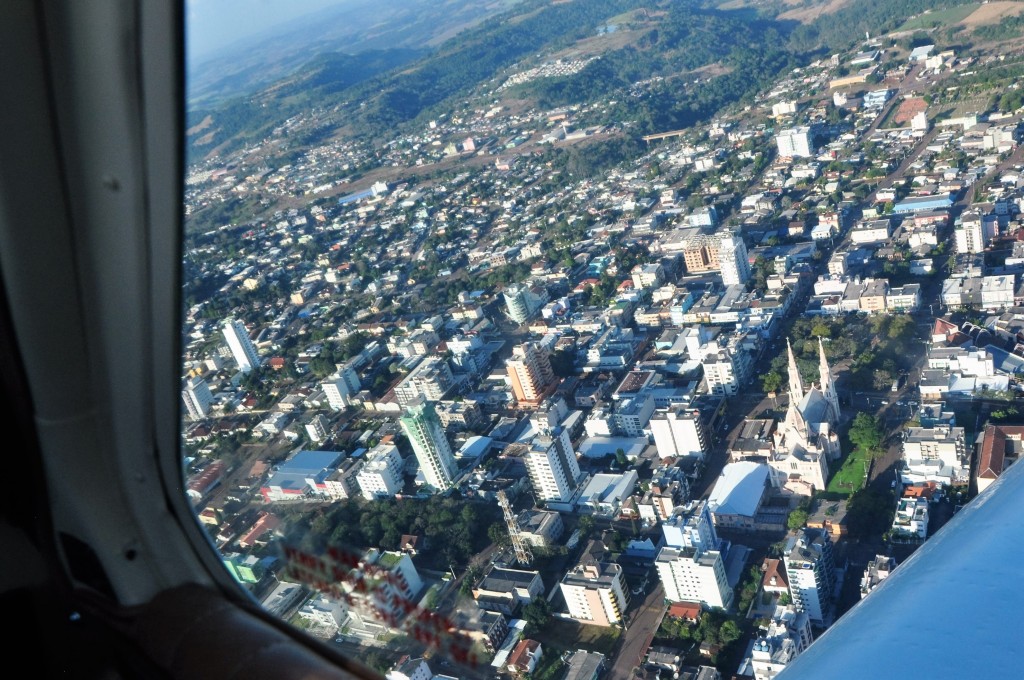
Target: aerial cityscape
606	338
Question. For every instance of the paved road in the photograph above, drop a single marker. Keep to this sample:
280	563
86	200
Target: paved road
644	622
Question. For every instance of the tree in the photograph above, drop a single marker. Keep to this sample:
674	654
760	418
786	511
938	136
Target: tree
880	378
771	381
536	614
797	519
585	526
498	535
867	434
729	632
620	458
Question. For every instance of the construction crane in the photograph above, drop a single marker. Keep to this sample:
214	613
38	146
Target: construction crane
523	554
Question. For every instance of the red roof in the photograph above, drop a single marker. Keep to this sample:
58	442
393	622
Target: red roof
774	574
992	460
208	478
690	611
926	490
264	524
520	657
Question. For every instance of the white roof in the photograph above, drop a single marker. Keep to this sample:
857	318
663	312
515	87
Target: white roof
739	489
608	488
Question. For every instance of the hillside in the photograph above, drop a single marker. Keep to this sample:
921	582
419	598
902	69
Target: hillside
659	64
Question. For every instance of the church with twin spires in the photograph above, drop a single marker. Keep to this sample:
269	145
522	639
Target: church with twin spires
808	438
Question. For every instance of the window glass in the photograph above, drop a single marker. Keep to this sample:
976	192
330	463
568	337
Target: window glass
550	336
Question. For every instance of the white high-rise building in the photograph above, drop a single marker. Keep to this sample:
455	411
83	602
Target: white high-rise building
316	429
811	571
340	387
691	566
524	300
794	142
552	466
732	257
197	398
975	232
240	345
679	431
381	474
429	443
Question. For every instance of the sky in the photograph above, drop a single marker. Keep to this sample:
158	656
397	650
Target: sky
212	24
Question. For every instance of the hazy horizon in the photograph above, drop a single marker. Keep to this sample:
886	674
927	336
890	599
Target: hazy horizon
211	25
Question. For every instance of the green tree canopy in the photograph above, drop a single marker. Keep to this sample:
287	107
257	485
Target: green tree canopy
867	434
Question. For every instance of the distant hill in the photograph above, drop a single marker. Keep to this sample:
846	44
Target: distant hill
664	63
356	26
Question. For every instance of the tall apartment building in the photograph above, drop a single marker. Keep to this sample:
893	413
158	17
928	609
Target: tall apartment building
316	428
595	592
701	253
197	398
679	431
975	231
340	387
552	466
691	566
811	571
381	474
727	367
433	452
794	142
430	380
524	300
240	345
530	373
732	258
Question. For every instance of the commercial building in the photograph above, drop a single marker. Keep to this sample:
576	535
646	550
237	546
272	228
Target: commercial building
302	476
794	142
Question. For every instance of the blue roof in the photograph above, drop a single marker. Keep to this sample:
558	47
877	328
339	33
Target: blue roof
352	198
922	203
310	462
1004	361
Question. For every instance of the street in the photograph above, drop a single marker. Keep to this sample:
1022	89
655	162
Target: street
640	629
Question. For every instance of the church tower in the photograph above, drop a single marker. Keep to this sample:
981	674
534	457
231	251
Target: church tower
796	386
828	386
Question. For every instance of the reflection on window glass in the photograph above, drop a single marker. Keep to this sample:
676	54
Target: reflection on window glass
560	338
